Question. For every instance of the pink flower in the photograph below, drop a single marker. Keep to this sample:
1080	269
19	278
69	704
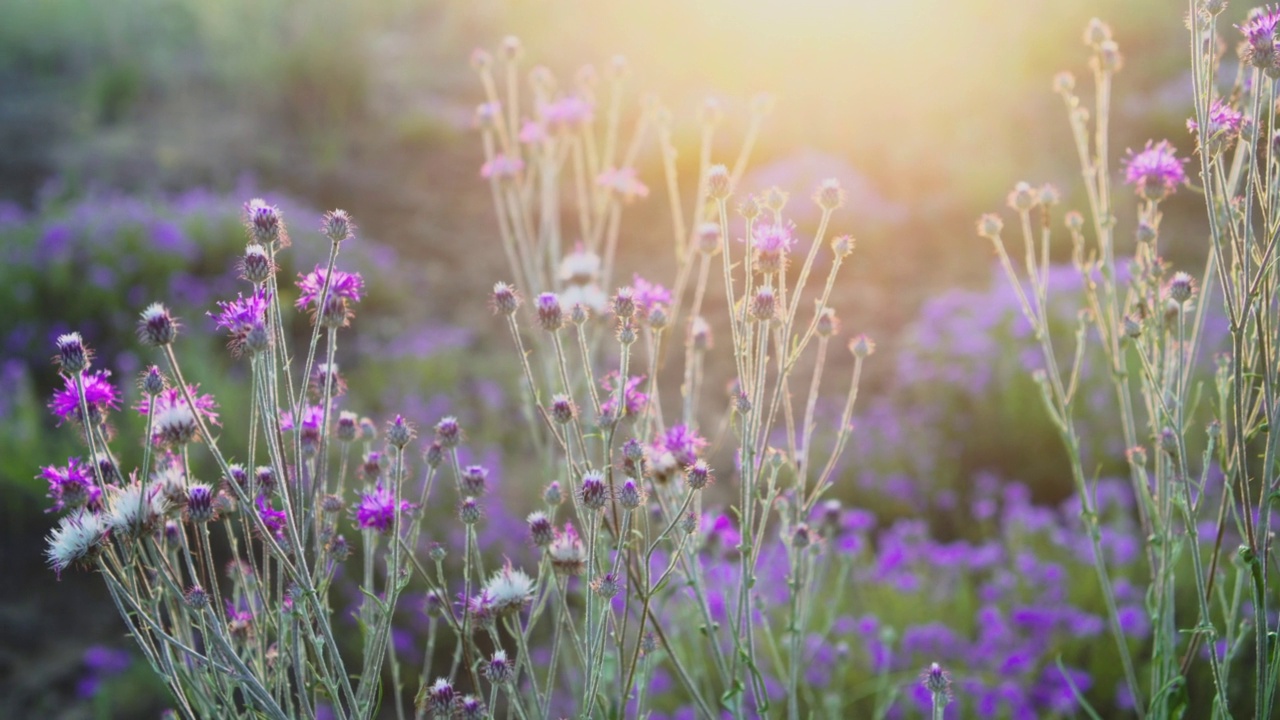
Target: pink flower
1156	172
99	394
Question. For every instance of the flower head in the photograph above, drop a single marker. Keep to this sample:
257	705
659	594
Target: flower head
245	317
1156	171
772	242
377	509
73	355
682	442
567	112
99	394
1224	126
1260	33
175	422
273	519
649	295
78	537
265	224
156	326
502	167
70	486
633	400
134	511
344	288
568	556
509	589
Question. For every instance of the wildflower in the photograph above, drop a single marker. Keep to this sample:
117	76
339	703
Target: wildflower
683	443
273	520
606	585
200	505
567	113
473	481
1156	171
540	528
152	381
568	557
510	590
376	510
550	312
400	432
502	167
698	475
132	511
439	698
938	682
471	707
828	323
630	496
243	317
649	296
764	305
480	608
1260	34
78	537
1023	197
256	265
580	267
829	194
862	346
499	670
708	238
1224	127
99	394
265	224
337	226
624	303
309	427
239	622
196	598
448	433
771	243
594	492
563	409
434	454
624	182
532	132
633	400
469	511
264	478
343	288
71	486
551	495
157	326
171	405
801	536
348	424
74	357
1181	287
504	299
326	378
842	245
338	548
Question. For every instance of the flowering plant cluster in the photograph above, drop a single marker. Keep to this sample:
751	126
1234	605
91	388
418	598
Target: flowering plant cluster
686	556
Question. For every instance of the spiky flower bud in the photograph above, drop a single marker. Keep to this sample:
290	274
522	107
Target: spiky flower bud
552	495
448	432
624	302
439	698
829	194
764	304
938	682
499	670
862	346
337	226
469	511
256	265
750	208
1145	232
698	475
196	598
74	357
1137	455
550	312
471	707
152	381
400	432
801	536
579	314
338	549
1049	195
842	245
504	299
626	333
718	182
474	481
434	454
265	224
606	585
990	225
540	529
1074	221
1096	32
1169	440
594	491
563	409
1181	287
1023	197
348	426
629	495
156	327
264	478
689	523
200	504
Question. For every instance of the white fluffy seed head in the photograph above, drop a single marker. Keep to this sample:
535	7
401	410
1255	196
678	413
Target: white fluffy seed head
78	537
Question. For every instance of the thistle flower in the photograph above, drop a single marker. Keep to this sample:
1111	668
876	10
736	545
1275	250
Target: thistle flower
938	682
448	433
264	478
70	486
256	265
568	556
1224	127
649	296
499	670
1181	287
175	422
1156	171
719	183
829	194
156	326
348	424
771	242
504	299
471	707
469	511
594	492
682	442
274	520
309	427
400	432
623	181
376	510
99	394
1260	33
327	377
200	504
439	698
698	475
265	224
473	481
74	357
344	288
510	590
78	537
606	585
567	113
152	381
862	346
243	317
630	496
563	409
633	400
239	622
764	305
337	226
550	312
540	529
551	495
480	608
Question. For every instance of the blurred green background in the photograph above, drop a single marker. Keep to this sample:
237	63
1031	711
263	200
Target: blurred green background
123	121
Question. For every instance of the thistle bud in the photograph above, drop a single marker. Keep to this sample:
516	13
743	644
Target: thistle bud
550	312
74	356
1064	83
156	327
708	237
990	225
842	245
152	381
828	323
552	495
474	481
764	304
448	432
399	432
718	182
504	299
337	226
629	495
348	426
862	346
562	409
1181	287
469	511
624	303
540	529
1023	197
698	475
829	195
594	491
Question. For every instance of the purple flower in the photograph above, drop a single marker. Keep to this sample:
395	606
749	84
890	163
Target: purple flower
377	509
567	112
272	518
70	486
347	286
501	167
683	443
633	400
649	295
1156	172
99	394
1260	33
771	242
242	316
174	419
1224	125
624	182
